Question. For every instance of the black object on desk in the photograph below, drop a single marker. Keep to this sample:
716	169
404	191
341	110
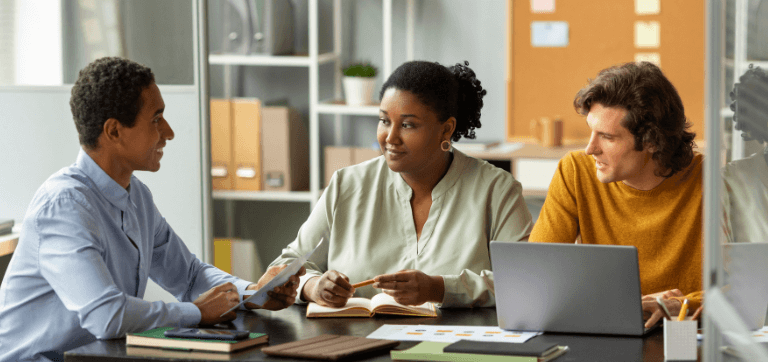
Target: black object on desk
533	348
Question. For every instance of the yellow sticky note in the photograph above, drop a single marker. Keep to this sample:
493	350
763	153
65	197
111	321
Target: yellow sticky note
654	58
647	34
647	7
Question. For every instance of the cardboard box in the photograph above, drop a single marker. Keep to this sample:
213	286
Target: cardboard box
247	137
285	150
237	257
337	158
360	155
222	169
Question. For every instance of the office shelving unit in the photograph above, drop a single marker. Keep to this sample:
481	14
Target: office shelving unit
334	106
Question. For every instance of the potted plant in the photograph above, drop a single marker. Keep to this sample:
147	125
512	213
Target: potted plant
359	79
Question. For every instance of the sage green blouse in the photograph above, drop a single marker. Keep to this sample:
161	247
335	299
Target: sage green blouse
366	219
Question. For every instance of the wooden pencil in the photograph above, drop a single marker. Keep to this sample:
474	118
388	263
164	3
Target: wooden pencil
362	284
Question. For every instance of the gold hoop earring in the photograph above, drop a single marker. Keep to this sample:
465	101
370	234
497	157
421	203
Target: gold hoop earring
445	146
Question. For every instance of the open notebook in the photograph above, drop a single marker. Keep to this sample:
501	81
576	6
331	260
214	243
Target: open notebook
380	303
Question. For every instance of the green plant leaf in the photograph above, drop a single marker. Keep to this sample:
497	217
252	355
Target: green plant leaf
360	70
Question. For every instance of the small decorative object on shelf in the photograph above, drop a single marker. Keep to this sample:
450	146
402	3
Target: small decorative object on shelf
359	79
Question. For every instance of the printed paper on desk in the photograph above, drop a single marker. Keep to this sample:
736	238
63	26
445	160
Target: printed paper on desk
761	335
437	333
260	297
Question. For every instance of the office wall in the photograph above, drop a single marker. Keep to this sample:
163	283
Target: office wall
446	32
38	137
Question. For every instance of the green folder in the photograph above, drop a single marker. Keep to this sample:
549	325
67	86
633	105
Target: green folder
433	351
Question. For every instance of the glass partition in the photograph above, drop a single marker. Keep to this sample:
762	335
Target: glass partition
46	42
736	196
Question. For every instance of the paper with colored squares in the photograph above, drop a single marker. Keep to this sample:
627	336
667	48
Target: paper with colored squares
435	333
761	335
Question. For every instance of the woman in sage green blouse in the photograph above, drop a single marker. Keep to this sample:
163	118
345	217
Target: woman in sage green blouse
419	218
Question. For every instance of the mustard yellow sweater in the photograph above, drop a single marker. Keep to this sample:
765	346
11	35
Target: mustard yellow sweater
665	224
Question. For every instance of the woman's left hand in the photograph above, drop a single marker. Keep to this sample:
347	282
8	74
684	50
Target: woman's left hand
411	287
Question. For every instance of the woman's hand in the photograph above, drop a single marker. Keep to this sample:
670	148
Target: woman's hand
282	296
332	289
411	287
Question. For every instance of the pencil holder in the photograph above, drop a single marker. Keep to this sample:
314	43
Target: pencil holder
679	340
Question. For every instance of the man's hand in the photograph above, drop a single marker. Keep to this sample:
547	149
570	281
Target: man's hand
282	296
652	311
411	287
331	289
216	301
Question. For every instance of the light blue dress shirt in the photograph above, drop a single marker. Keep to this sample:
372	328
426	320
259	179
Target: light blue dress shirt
79	272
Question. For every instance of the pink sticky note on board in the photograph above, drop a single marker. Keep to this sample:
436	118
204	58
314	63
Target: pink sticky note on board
542	6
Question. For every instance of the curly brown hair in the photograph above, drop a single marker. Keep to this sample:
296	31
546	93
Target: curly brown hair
109	87
655	113
750	104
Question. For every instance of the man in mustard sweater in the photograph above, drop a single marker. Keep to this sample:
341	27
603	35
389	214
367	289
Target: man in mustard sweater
637	183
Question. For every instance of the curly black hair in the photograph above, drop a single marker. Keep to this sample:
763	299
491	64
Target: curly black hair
107	88
655	113
750	104
449	91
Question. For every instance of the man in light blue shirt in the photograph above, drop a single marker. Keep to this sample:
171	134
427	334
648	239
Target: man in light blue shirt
92	235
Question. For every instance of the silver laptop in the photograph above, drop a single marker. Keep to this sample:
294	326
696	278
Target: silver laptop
746	281
572	288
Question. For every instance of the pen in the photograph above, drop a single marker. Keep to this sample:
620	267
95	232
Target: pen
362	284
683	310
663	307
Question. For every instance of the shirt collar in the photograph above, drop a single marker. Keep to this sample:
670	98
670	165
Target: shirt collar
454	173
108	187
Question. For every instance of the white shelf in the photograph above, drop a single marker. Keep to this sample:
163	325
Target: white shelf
758	63
269	60
338	107
299	196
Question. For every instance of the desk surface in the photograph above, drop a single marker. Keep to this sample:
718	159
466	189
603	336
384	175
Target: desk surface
291	324
8	243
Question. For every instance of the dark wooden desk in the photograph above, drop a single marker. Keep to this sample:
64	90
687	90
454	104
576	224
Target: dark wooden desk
291	324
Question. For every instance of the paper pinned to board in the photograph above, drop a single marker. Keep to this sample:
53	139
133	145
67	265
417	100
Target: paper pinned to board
647	34
647	7
260	297
654	58
552	34
542	6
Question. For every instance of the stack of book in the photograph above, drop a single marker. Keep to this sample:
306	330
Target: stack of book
156	338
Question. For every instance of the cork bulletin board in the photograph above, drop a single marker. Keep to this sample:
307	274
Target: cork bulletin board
542	80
